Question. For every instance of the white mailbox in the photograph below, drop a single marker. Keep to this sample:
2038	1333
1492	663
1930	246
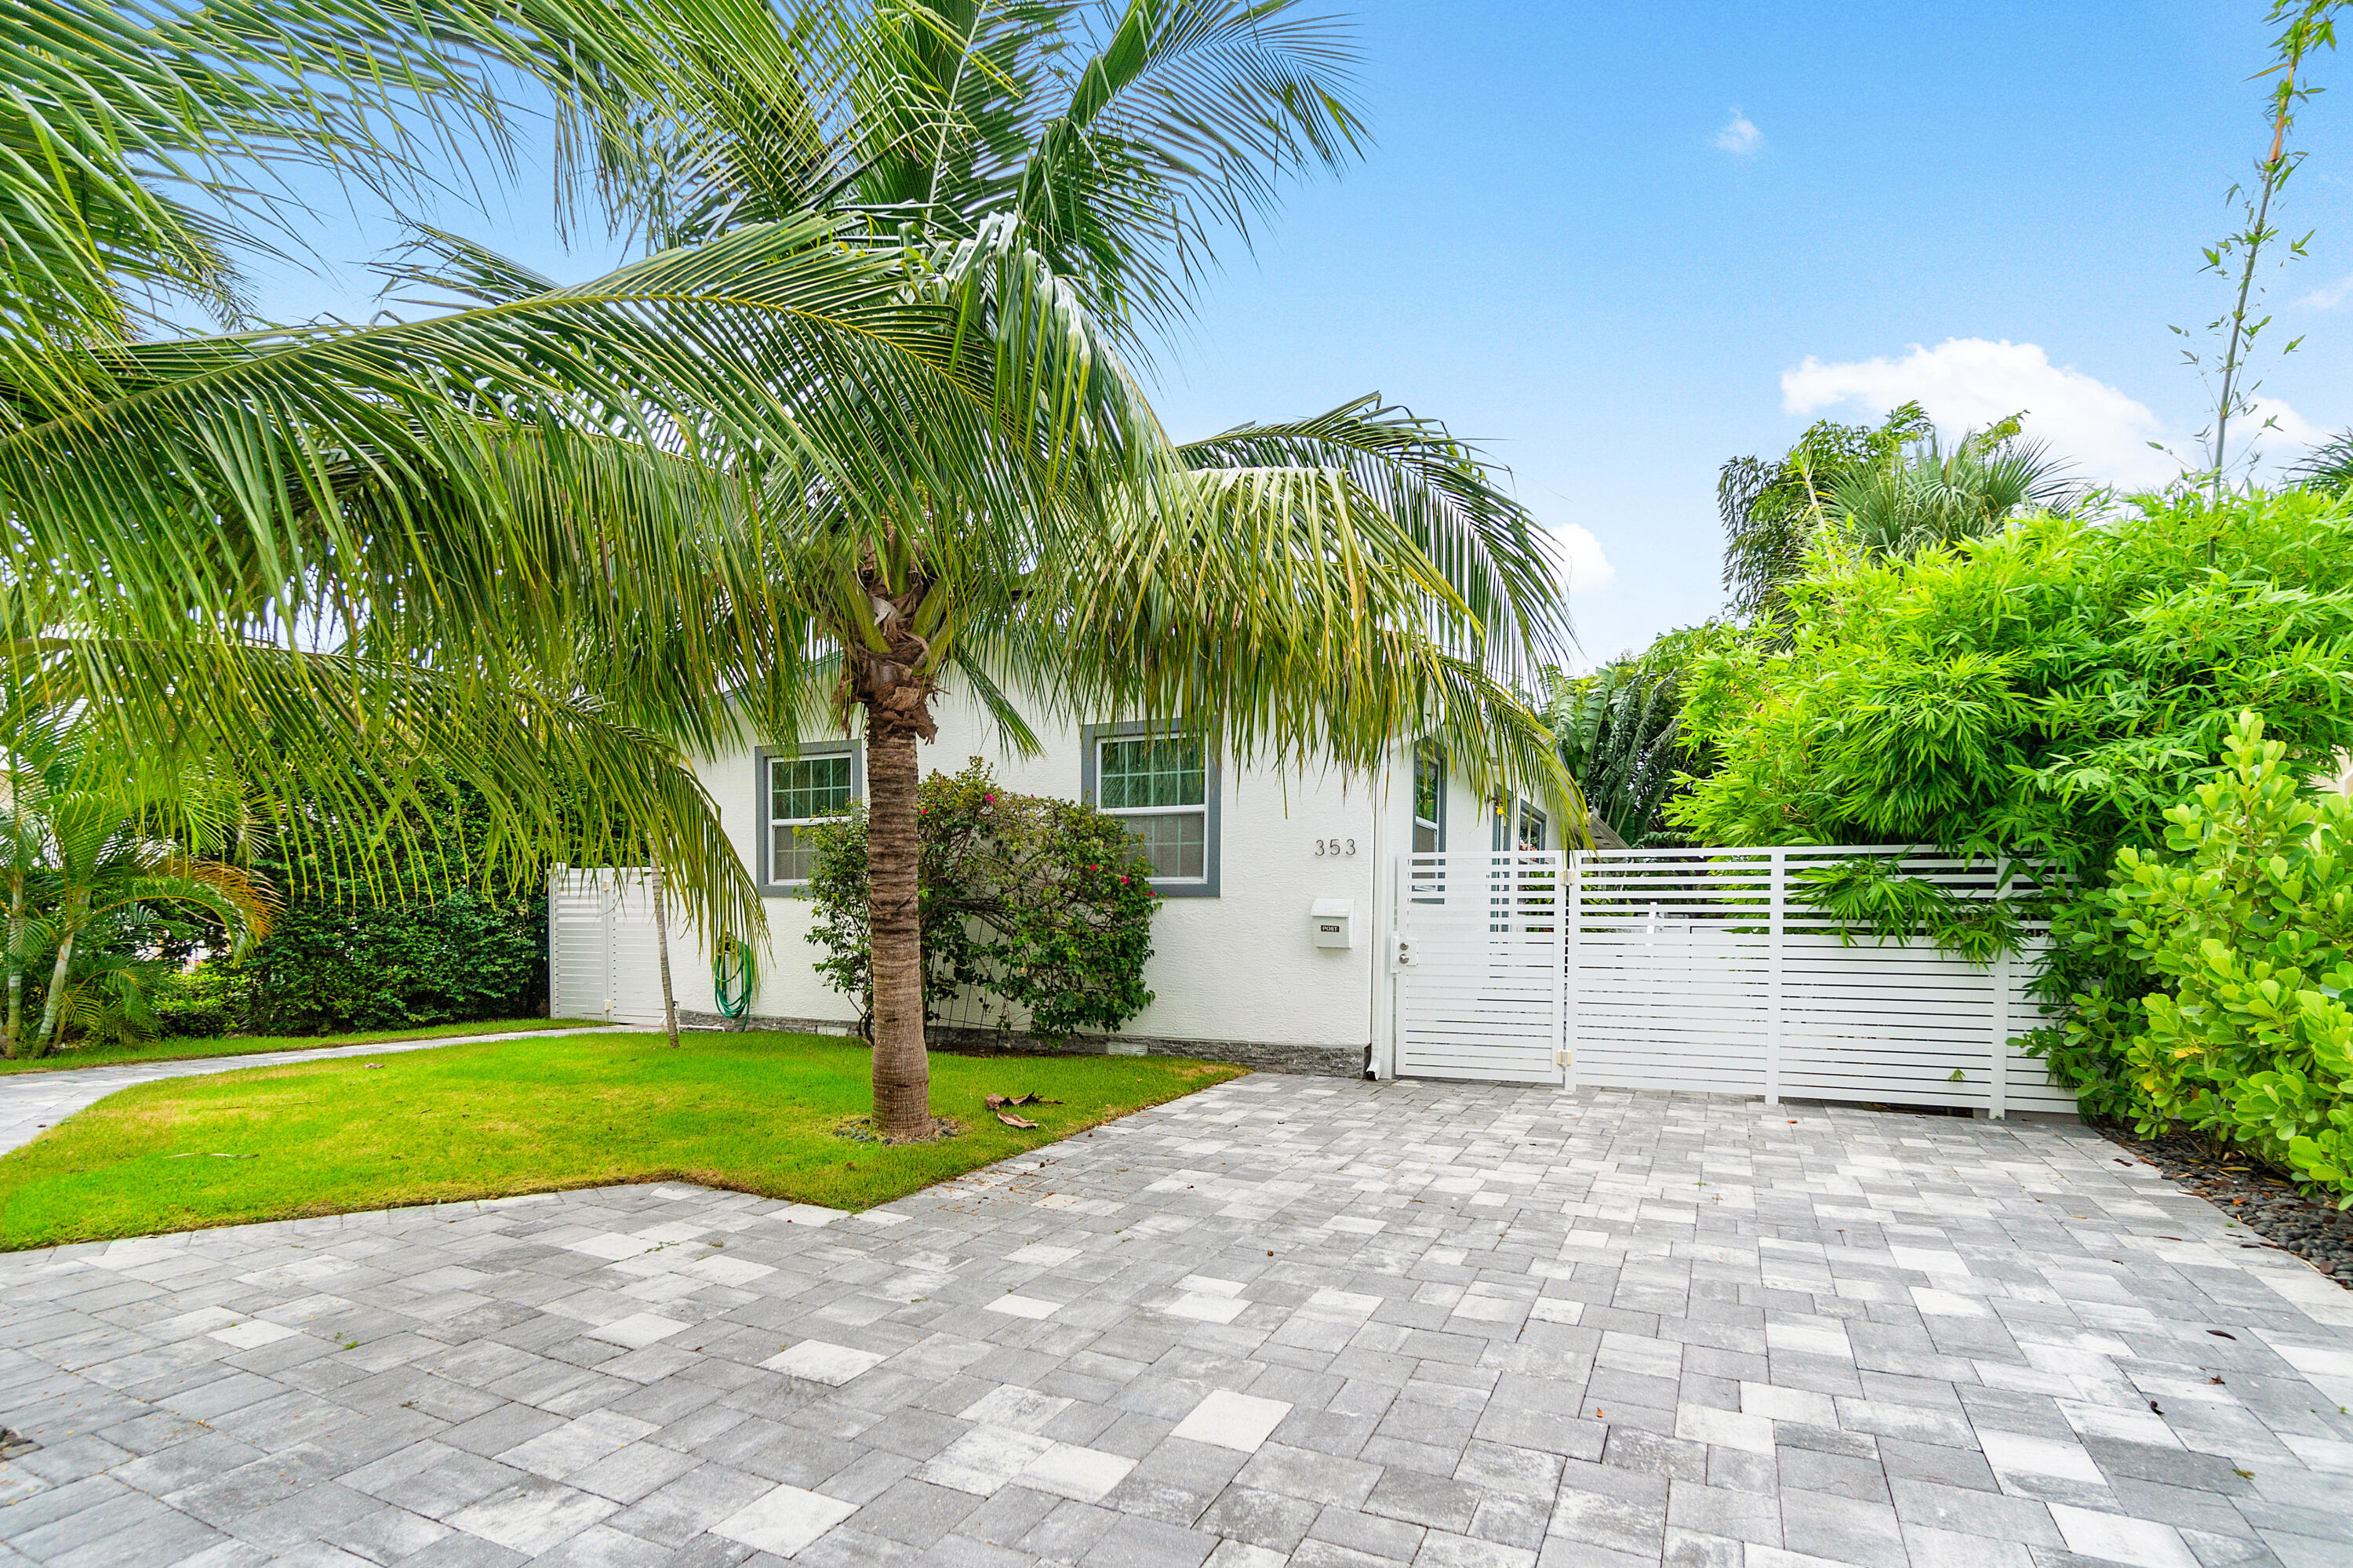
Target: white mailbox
1334	921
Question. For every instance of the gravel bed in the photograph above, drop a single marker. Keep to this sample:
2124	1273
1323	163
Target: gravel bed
2316	1232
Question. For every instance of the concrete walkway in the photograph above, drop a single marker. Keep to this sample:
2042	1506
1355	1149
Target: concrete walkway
1288	1320
32	1101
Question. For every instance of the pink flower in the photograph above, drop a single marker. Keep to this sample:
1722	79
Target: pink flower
1123	882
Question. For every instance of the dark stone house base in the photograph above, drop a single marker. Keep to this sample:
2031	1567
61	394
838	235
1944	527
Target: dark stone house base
1319	1061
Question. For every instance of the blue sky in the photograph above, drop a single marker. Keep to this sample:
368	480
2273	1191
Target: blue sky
1564	244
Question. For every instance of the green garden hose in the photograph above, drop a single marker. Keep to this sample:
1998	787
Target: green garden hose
733	979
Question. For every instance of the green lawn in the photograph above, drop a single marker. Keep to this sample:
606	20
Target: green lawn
754	1111
242	1044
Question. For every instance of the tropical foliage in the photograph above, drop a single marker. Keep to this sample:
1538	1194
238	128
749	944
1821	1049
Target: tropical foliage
2045	693
1772	510
1929	496
1620	731
1035	908
442	938
2326	468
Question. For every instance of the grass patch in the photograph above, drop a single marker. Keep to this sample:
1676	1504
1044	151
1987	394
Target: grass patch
243	1044
757	1112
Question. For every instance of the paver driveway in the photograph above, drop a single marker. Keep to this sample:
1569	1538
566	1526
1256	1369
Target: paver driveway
1344	1324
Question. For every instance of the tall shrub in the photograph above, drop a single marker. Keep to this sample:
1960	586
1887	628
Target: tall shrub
1031	901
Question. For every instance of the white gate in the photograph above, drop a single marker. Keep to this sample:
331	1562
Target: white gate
604	958
1479	983
1704	970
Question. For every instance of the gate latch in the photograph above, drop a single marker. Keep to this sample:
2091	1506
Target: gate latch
1405	952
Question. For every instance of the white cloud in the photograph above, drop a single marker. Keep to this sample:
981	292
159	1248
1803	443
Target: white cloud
1588	570
2330	297
1739	135
1967	382
2289	434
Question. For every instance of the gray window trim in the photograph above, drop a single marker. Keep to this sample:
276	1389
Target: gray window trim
854	750
1413	792
1091	734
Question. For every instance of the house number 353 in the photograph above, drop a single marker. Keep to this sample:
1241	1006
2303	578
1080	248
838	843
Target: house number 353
1336	846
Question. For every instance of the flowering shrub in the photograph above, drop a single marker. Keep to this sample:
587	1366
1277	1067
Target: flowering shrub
2247	920
1028	902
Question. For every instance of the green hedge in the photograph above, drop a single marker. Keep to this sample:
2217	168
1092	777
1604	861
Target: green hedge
327	968
435	939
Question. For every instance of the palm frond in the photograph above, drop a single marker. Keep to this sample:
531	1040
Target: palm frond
338	751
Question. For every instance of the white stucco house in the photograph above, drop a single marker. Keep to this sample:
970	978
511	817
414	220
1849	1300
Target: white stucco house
1270	946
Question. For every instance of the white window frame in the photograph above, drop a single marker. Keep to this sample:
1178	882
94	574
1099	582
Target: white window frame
764	803
1091	740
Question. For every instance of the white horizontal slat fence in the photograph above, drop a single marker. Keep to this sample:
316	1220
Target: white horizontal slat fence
1710	969
1479	983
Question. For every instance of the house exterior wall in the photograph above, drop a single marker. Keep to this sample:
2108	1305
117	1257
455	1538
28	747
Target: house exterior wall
1236	968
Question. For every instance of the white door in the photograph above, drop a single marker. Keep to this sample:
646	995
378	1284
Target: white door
1479	984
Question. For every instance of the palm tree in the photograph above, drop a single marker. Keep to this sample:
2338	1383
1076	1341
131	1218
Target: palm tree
1927	497
97	844
449	505
2328	467
1620	731
1772	511
1891	490
213	498
1322	587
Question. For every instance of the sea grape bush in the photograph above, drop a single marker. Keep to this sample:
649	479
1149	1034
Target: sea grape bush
2245	918
1034	907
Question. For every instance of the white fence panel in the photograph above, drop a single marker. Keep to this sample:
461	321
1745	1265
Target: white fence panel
1479	985
1671	975
604	955
1710	970
579	945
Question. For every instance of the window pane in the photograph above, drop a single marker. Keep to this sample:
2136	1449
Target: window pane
789	860
808	787
1425	838
1149	772
1429	777
1531	828
1176	844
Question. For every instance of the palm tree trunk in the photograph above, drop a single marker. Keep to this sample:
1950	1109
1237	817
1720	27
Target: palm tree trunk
661	934
16	1021
902	1072
54	1002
